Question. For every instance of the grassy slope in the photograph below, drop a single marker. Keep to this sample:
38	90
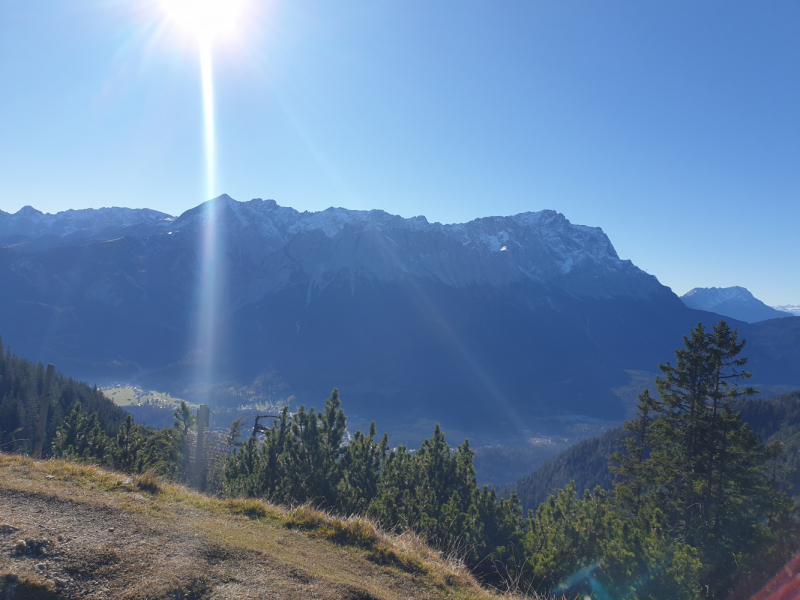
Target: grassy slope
106	534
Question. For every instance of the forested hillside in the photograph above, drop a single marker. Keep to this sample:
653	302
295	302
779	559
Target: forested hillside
21	383
587	462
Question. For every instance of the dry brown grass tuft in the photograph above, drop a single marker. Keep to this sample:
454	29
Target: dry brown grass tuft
148	482
253	509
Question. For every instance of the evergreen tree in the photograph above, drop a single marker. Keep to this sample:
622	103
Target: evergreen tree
692	463
81	437
184	419
631	465
312	460
129	444
360	470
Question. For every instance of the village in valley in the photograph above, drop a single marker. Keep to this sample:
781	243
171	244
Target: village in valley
133	395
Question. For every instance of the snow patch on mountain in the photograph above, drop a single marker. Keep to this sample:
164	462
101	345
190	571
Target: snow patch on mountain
793	309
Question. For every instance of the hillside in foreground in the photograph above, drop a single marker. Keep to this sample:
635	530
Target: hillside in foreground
72	531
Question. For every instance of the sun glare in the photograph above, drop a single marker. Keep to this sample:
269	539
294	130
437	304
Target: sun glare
206	19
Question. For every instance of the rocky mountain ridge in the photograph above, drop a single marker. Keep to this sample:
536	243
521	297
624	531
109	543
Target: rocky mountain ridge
544	243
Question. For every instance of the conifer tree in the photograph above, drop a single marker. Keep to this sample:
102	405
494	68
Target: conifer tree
693	465
81	437
360	470
631	465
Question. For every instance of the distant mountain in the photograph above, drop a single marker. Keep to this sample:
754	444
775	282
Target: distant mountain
487	327
735	302
793	309
30	230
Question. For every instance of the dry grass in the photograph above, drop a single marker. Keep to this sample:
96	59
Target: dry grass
148	482
168	541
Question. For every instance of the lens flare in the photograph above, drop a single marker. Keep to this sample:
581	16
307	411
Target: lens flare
206	21
210	273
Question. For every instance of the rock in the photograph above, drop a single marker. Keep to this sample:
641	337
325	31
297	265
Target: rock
138	497
6	529
49	477
20	546
60	538
60	582
41	566
111	529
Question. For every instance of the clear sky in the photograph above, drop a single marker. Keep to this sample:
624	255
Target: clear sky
674	126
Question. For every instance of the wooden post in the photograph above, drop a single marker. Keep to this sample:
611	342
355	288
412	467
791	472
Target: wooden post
44	404
199	458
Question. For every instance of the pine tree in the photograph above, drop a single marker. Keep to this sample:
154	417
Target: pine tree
184	419
631	465
81	437
693	465
360	470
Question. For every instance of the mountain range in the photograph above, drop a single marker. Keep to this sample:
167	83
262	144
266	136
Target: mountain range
491	327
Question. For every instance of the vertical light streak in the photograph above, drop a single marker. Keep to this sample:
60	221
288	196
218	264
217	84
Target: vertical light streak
207	333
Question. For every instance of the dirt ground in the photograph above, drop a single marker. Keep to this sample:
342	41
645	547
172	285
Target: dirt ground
80	532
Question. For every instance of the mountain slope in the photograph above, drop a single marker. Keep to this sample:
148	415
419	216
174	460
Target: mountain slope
585	463
735	302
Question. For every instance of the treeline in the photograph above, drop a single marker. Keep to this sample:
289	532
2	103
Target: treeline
698	509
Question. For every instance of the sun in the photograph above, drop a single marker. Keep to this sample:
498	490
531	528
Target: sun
205	19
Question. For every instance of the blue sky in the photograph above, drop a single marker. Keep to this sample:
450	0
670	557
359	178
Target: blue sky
674	126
